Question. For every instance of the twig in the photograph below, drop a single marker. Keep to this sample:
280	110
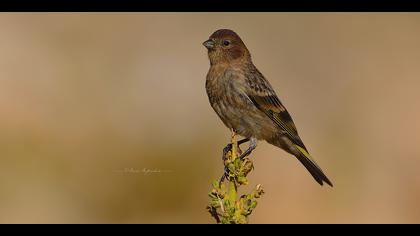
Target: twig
224	205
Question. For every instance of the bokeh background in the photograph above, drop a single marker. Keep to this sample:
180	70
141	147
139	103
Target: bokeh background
90	101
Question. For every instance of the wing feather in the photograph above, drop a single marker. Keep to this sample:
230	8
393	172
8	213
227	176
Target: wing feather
265	99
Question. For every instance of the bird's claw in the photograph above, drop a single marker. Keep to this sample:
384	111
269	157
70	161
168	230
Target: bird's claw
242	156
224	176
226	150
251	148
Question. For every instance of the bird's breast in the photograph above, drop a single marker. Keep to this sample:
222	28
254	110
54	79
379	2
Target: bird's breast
232	105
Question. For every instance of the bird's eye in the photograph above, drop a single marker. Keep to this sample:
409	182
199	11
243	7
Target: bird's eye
226	43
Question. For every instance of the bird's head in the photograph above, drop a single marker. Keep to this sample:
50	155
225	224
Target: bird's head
225	46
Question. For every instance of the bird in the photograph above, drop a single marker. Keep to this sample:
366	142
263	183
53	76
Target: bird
247	104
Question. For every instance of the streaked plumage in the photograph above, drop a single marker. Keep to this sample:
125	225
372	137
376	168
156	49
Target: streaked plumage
246	102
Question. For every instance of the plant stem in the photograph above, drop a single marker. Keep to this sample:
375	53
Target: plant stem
232	184
225	206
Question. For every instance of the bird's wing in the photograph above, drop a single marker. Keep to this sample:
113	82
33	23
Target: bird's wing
265	99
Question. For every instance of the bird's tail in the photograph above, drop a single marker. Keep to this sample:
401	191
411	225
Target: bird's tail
316	172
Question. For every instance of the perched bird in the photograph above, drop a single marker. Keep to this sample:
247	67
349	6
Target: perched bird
246	102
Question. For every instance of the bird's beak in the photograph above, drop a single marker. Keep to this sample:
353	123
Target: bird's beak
209	44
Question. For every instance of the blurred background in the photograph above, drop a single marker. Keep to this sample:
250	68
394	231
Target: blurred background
105	118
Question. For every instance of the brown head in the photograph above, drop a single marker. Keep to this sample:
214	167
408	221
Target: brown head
225	46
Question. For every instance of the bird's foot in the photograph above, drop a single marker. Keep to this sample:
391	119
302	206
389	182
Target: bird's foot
224	176
252	146
225	157
226	150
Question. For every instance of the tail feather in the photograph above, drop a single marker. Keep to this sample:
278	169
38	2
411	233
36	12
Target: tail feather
316	172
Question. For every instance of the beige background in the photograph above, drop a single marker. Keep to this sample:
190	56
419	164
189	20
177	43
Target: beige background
86	96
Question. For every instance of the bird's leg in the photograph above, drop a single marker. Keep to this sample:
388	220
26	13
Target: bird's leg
252	146
226	150
228	147
243	141
239	151
222	178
